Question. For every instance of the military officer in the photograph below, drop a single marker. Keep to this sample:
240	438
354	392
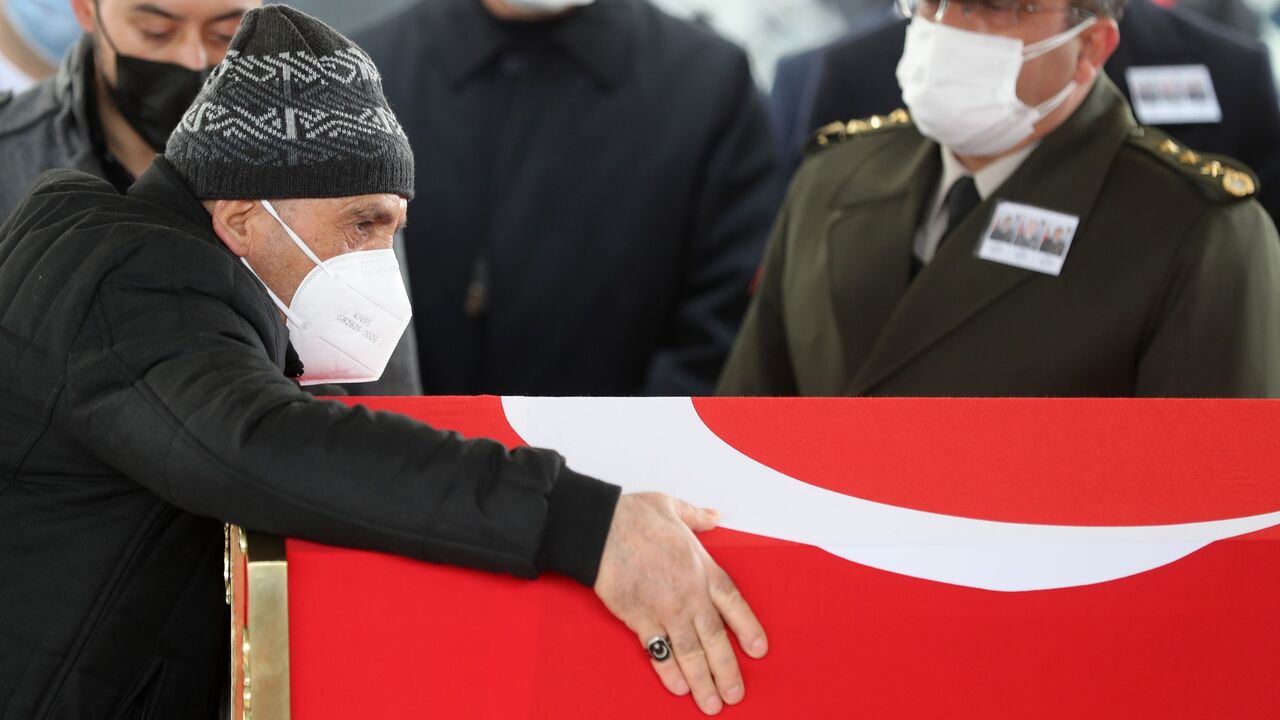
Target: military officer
881	277
1239	115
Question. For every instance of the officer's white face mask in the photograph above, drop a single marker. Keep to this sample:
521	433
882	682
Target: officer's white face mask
546	6
347	315
961	86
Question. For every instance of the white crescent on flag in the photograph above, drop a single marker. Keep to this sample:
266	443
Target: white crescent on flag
661	444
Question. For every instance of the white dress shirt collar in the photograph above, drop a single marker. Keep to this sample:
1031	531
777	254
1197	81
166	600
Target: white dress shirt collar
987	180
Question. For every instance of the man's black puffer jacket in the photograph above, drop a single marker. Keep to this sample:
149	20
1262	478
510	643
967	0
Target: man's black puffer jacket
142	404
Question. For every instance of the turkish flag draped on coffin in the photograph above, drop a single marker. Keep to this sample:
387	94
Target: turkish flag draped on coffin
908	558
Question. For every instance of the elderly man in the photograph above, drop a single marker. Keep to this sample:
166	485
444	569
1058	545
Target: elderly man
881	280
118	96
143	338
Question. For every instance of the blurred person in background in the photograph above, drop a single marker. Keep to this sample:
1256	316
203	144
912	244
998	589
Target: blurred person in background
119	94
770	29
1240	118
1269	10
33	36
881	278
1235	15
596	182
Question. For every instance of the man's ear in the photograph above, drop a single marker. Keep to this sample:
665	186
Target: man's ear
1096	46
231	220
84	11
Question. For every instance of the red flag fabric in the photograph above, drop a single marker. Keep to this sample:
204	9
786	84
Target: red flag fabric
1192	636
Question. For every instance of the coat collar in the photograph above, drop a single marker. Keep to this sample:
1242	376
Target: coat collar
1065	173
62	101
164	187
869	241
71	84
74	91
464	37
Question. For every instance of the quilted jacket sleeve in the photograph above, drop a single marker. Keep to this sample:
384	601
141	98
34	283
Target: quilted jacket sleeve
170	382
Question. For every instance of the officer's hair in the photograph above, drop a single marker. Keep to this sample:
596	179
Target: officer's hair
1113	9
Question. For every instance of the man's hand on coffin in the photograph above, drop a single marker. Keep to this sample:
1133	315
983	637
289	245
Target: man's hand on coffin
658	579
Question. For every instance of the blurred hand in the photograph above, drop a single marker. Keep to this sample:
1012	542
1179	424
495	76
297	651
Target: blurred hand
657	579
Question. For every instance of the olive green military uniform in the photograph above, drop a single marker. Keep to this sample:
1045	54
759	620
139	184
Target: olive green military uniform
1171	286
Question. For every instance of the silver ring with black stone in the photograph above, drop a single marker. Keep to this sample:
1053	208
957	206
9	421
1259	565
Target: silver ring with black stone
659	649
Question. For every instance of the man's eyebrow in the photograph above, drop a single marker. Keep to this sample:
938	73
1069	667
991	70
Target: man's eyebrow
233	15
153	10
150	9
375	212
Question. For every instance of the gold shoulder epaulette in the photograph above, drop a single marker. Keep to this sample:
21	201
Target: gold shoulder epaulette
837	132
1216	174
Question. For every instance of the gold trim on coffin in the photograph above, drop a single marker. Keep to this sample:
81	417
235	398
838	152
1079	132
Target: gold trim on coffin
258	588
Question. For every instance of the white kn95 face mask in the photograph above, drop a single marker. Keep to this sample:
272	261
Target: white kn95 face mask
347	314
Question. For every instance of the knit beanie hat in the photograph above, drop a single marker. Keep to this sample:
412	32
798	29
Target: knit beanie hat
295	110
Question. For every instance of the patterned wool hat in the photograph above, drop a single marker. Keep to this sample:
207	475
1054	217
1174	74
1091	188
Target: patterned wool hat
295	110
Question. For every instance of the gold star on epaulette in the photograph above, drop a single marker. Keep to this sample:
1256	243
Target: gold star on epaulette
1237	183
838	132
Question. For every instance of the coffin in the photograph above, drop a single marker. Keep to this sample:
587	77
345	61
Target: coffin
917	558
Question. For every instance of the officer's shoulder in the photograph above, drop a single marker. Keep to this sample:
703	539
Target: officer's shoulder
840	133
5	97
1217	178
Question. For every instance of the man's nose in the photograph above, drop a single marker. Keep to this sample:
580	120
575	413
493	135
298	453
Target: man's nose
191	52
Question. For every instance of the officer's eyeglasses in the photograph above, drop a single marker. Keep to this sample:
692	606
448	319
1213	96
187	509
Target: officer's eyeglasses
995	14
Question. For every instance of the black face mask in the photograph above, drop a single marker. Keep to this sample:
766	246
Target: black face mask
152	96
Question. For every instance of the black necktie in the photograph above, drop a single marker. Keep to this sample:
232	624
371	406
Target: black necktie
962	198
